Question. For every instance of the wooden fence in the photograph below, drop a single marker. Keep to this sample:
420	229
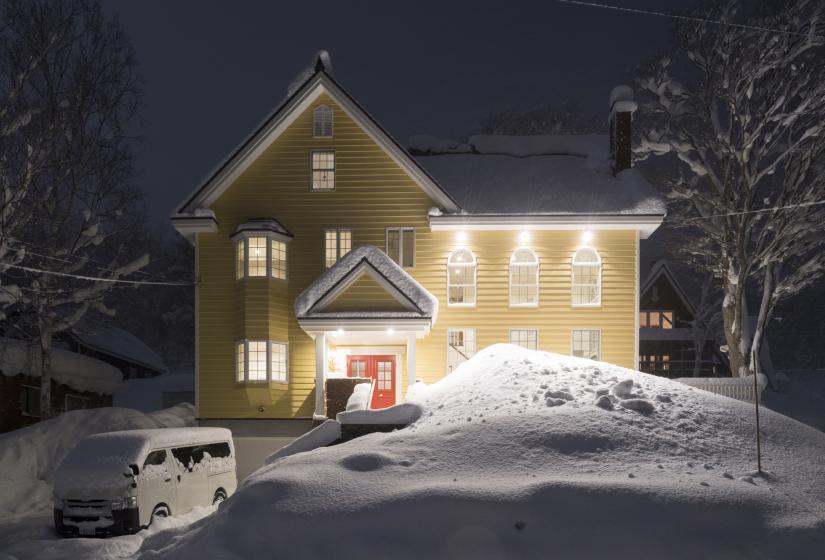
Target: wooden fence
740	388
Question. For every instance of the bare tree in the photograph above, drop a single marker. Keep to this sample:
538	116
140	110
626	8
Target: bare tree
565	118
79	207
746	123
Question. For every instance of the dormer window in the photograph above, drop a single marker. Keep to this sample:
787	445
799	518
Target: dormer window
260	250
322	122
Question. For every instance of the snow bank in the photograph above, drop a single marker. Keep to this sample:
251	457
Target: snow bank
69	368
147	394
400	414
29	456
320	436
513	457
360	397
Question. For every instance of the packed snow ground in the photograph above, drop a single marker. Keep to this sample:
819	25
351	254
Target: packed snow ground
523	454
29	456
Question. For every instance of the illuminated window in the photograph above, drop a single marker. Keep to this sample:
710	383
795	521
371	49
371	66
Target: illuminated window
585	344
401	246
384	376
461	278
256	256
656	319
278	259
261	361
323	170
526	338
322	122
587	278
280	354
524	278
253	253
337	243
461	345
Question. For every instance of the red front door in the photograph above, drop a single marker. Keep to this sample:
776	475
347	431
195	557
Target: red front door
381	369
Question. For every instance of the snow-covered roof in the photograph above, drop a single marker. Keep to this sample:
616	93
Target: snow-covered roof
660	268
116	342
320	62
537	175
270	225
419	302
80	372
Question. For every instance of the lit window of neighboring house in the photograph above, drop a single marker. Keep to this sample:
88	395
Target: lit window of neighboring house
400	245
461	346
586	343
527	338
337	243
524	278
323	170
656	319
587	278
261	361
260	255
322	122
461	278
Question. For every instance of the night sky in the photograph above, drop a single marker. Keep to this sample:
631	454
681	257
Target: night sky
213	70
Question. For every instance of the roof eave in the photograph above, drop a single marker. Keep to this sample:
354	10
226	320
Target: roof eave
646	224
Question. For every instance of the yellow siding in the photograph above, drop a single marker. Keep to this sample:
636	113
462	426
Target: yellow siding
373	193
364	294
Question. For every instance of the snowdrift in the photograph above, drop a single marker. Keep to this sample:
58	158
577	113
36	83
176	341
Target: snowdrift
524	454
29	456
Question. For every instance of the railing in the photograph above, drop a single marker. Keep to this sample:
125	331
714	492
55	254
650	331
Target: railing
740	388
677	368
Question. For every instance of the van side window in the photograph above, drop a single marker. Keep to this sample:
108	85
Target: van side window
218	450
155	465
184	457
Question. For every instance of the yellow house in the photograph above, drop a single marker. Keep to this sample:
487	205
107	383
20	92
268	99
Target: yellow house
325	251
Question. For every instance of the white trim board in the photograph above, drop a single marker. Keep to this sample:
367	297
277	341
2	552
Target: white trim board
645	225
364	267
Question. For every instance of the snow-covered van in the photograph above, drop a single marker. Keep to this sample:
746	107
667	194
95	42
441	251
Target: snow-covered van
117	482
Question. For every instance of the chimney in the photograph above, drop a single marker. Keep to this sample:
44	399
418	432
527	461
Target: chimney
620	121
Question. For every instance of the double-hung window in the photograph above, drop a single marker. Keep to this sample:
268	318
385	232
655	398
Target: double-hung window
461	278
261	250
527	338
586	343
524	278
337	243
400	245
261	361
323	170
587	278
461	345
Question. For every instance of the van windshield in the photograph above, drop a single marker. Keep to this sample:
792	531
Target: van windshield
106	453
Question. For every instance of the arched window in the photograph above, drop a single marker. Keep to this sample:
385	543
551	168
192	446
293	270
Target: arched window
322	122
524	278
461	278
587	278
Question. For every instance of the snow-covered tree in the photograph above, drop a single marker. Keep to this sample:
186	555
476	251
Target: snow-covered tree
746	119
564	118
74	214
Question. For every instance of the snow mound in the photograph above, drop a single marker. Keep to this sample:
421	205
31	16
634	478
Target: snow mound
400	414
29	456
326	433
514	457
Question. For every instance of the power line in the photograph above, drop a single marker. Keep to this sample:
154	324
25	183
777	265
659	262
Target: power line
686	18
97	278
773	209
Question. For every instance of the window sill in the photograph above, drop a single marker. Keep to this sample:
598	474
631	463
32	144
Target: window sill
313	189
524	305
462	305
586	305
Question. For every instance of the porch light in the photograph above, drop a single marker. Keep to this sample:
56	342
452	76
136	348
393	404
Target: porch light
339	332
461	236
587	237
524	236
390	331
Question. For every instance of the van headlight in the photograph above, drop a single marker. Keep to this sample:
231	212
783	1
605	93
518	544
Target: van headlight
124	503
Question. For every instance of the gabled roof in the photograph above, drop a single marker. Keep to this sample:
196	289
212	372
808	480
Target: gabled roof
310	83
416	301
117	343
661	268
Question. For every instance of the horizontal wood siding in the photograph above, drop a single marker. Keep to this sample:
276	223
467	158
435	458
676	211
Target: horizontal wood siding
364	294
371	194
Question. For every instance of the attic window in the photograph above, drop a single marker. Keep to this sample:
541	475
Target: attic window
323	170
322	122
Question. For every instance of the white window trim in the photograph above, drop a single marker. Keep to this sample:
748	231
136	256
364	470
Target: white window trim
334	169
598	281
510	277
474	264
331	121
402	231
574	329
448	347
338	255
510	335
270	237
268	380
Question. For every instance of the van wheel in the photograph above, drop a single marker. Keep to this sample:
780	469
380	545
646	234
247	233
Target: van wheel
220	496
159	511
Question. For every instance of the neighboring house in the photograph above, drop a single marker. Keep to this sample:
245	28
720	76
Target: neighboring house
155	393
667	333
115	346
78	381
326	250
